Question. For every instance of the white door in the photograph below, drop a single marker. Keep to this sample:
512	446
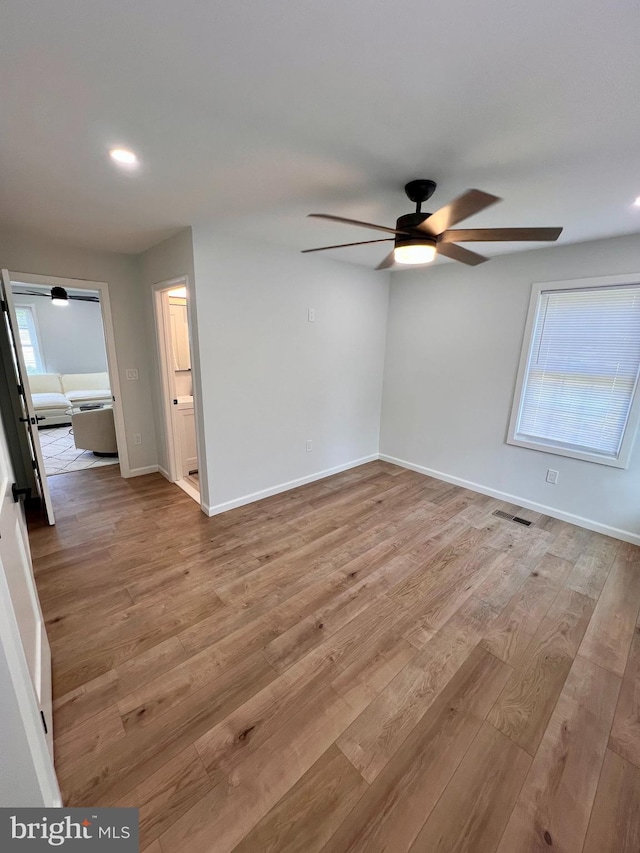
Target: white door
23	640
29	417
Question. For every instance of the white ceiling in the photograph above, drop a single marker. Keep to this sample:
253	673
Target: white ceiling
257	112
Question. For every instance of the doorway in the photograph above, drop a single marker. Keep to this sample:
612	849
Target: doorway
64	350
173	334
66	382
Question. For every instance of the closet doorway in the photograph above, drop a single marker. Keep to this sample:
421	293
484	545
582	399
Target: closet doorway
171	311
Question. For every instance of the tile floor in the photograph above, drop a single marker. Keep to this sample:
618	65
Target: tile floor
61	455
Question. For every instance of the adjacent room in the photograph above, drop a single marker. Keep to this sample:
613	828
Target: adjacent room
62	340
319	406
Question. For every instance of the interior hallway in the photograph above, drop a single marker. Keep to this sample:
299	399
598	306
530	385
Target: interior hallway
371	662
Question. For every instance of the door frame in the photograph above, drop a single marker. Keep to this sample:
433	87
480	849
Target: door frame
102	287
163	343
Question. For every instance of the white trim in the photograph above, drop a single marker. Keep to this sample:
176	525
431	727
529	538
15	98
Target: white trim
139	472
580	521
163	344
162	333
112	359
285	487
189	490
633	418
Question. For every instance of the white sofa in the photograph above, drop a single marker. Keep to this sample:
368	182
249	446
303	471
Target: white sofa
53	394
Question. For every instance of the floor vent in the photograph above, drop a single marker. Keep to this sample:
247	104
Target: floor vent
501	514
508	517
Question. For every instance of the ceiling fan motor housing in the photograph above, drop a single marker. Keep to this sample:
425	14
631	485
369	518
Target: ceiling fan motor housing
409	222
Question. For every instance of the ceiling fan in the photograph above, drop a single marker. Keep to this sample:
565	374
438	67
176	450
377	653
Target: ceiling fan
418	236
58	295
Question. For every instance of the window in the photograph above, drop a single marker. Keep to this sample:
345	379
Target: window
576	391
29	339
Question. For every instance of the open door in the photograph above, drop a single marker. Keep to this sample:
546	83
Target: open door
25	659
28	417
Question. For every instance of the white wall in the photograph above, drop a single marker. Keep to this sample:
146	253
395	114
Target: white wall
453	347
170	259
71	337
270	379
28	253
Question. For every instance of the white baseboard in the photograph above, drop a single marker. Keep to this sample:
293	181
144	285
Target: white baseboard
138	472
164	473
285	487
189	490
588	523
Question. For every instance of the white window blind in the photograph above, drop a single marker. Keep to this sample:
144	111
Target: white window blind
29	339
583	369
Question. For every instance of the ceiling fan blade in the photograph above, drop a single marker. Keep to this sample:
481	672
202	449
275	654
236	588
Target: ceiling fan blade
389	261
488	235
356	222
71	296
473	201
457	253
344	245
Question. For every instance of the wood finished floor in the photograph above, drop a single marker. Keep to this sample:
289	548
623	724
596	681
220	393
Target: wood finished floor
373	662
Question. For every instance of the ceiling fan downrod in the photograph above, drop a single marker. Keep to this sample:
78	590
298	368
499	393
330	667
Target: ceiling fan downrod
420	191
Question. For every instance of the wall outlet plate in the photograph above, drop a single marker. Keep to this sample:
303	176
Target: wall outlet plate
132	373
552	476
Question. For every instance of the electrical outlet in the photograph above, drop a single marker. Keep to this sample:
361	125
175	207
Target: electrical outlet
309	446
552	476
137	438
132	373
311	315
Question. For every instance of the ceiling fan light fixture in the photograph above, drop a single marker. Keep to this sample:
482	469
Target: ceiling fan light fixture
59	296
414	253
419	236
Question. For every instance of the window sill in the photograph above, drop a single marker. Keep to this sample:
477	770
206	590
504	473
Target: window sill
622	461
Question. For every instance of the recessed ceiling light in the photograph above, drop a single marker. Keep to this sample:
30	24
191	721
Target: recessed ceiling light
637	202
121	155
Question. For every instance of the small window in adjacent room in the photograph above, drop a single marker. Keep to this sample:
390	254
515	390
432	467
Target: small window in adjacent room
576	391
29	339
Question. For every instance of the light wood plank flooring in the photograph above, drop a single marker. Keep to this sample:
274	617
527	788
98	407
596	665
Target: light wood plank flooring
373	662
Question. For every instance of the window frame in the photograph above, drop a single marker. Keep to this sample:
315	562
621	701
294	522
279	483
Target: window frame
38	350
633	418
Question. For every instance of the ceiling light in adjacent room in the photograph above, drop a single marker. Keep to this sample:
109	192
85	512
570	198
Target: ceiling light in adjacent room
414	253
123	156
637	202
180	292
59	296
